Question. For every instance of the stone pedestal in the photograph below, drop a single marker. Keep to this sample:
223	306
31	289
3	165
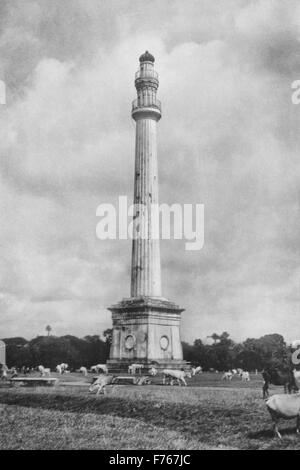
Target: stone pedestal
146	330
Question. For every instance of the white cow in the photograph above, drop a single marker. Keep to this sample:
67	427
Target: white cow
245	376
83	370
59	369
153	371
44	371
179	375
134	367
101	383
286	407
196	370
234	371
99	367
227	375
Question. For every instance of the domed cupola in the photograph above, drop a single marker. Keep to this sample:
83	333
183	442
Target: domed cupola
147	57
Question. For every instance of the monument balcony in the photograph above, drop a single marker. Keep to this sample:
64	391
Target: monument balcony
146	102
146	74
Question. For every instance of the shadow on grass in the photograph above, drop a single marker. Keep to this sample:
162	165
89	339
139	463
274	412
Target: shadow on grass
269	433
200	421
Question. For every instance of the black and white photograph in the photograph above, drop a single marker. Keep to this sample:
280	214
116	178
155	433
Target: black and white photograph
149	227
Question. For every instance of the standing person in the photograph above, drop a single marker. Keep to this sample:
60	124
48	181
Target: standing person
4	370
14	372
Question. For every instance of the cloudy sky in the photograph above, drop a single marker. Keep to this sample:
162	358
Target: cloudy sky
229	139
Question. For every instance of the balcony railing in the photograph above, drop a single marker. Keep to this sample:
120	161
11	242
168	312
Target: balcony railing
146	74
146	102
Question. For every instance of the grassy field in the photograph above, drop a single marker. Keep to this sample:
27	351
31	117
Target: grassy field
208	414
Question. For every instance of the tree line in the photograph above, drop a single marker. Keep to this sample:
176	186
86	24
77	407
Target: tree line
223	354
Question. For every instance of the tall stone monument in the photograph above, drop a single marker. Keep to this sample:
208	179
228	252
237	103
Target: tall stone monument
146	326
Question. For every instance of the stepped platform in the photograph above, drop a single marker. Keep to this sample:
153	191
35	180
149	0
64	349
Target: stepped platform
120	366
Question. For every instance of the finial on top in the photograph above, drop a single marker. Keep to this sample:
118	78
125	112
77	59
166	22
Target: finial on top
147	57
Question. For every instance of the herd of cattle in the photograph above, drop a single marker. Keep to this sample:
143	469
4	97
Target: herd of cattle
279	406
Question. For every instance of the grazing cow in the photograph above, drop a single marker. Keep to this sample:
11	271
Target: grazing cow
145	380
179	375
196	370
227	375
286	407
44	371
98	367
83	371
134	367
278	377
245	376
153	371
138	367
64	368
101	383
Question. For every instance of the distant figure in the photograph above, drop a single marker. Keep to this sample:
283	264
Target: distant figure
14	372
3	371
83	371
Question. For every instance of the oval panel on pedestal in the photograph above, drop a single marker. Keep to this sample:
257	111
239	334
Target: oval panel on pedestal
164	342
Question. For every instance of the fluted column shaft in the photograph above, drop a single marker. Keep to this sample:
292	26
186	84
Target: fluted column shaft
145	269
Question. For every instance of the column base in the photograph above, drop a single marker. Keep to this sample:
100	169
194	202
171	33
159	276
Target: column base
146	330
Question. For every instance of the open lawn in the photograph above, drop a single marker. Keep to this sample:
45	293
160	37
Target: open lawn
208	414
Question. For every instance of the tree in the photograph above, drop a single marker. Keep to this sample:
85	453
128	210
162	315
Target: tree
215	337
17	352
108	336
48	329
